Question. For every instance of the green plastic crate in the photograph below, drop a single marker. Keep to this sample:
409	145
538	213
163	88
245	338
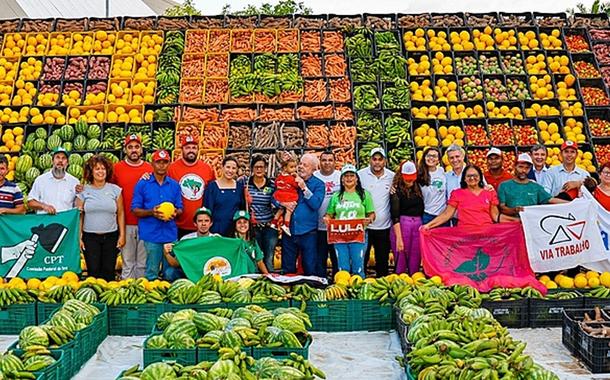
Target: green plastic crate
184	357
15	317
331	316
67	364
44	311
281	352
93	335
410	374
129	320
205	354
52	372
171	307
370	316
266	305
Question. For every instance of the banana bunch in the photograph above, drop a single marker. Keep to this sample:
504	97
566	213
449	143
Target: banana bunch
396	97
563	295
336	292
303	292
369	129
360	44
600	292
14	296
163	114
263	288
133	293
365	97
511	294
264	63
397	129
467	296
299	362
163	138
143	131
169	69
398	154
113	138
384	289
57	294
58	335
174	43
287	63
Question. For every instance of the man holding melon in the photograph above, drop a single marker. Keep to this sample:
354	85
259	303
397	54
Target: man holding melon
157	201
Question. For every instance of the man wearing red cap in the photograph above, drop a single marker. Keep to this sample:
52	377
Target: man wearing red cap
192	175
126	175
567	176
156	228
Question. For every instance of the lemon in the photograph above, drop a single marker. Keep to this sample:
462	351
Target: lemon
594	282
581	282
590	274
544	279
550	285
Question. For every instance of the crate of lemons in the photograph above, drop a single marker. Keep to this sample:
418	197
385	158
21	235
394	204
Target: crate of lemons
583	280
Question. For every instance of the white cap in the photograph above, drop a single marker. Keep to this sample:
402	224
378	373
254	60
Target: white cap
524	157
494	151
408	171
378	150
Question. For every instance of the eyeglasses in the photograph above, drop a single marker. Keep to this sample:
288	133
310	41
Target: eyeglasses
259	166
605	173
472	176
432	156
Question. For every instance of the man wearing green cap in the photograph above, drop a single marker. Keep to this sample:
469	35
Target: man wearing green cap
55	190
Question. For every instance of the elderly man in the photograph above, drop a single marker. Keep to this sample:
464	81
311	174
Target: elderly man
304	223
539	169
566	176
520	191
55	190
455	154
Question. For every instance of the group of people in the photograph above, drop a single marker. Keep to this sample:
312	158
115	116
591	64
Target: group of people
121	211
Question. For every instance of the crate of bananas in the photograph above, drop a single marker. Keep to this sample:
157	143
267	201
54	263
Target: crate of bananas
547	311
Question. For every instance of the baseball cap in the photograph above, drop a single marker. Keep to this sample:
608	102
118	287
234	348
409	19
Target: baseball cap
60	149
202	210
524	157
379	150
348	168
188	139
132	137
569	144
160	155
241	214
494	151
408	171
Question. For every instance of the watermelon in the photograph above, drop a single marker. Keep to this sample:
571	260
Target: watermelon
87	156
75	170
181	342
23	187
10	363
68	146
81	126
66	132
93	144
164	320
156	342
38	362
206	322
94	131
76	159
87	295
80	143
158	371
24	163
31	137
184	314
182	326
31	336
29	145
231	339
53	142
40	145
32	174
41	133
44	161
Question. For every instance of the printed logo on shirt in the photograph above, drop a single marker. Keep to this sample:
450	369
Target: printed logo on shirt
437	183
329	187
192	186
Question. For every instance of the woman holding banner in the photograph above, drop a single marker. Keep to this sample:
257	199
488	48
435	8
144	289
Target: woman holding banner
602	191
242	229
351	202
474	204
406	209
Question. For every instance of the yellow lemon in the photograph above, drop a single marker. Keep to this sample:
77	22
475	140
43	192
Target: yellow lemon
590	274
550	285
580	282
544	279
594	282
437	280
605	279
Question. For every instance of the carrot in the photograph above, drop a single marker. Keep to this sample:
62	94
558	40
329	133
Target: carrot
241	40
196	41
287	40
216	91
238	114
315	90
342	135
191	91
213	157
344	156
334	65
190	114
264	41
217	66
339	90
193	66
315	112
187	129
333	42
215	135
219	41
344	113
290	96
310	41
311	65
317	136
272	114
241	99
262	98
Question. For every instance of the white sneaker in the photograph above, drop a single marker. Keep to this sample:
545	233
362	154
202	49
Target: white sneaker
286	230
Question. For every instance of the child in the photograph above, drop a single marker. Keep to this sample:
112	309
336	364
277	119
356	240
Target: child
285	191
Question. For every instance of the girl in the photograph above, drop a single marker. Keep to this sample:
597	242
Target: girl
431	178
243	230
285	191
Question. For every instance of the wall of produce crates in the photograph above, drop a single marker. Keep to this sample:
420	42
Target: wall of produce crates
260	84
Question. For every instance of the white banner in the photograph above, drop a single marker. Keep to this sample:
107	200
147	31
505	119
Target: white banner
562	236
603	222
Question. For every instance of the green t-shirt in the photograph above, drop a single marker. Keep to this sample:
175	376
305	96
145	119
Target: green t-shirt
351	206
255	254
513	194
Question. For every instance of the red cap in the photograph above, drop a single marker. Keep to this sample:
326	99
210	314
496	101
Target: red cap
132	137
569	144
160	155
188	139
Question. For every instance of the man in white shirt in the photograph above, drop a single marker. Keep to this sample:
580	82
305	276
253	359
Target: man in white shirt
55	190
566	176
332	182
539	169
455	154
377	179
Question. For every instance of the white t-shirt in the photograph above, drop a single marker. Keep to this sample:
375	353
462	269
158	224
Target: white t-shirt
59	193
435	195
379	187
332	184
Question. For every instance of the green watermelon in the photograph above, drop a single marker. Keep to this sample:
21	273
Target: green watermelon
94	131
10	363
66	132
76	159
40	145
183	326
41	133
81	126
87	156
31	336
80	143
38	362
44	161
75	170
158	371
31	174
181	342
54	141
93	144
24	163
68	146
87	295
29	145
23	187
156	342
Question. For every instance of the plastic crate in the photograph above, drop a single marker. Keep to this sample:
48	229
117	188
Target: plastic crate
591	302
402	329
280	353
52	372
272	305
594	352
67	366
184	357
410	375
44	310
549	312
170	307
331	316
93	335
15	317
370	316
509	313
571	332
206	354
129	320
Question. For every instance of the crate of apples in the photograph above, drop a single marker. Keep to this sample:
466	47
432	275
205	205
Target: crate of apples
476	135
500	134
525	134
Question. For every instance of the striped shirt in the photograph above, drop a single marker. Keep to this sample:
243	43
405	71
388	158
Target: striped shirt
260	200
10	195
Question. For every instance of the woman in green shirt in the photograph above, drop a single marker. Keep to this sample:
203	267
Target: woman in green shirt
243	230
351	202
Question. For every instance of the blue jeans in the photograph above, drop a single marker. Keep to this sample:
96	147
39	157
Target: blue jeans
154	260
350	257
307	246
171	274
266	237
426	218
324	251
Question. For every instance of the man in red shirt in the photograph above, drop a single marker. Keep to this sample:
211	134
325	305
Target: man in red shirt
192	175
126	174
495	174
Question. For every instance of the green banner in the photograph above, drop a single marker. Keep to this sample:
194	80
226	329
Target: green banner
214	254
39	245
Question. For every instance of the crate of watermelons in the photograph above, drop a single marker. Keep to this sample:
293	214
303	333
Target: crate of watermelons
156	349
50	363
510	307
547	311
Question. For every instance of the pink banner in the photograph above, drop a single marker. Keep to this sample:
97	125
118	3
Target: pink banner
484	257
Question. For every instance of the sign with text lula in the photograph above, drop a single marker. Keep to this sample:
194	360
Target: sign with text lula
345	231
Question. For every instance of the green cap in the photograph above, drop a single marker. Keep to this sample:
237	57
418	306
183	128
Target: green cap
348	168
60	149
202	210
241	214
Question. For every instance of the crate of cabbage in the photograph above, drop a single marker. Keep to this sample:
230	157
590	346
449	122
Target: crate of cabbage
42	364
509	306
547	311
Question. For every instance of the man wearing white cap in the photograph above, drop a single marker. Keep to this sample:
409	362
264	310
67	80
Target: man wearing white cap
521	191
377	180
495	174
